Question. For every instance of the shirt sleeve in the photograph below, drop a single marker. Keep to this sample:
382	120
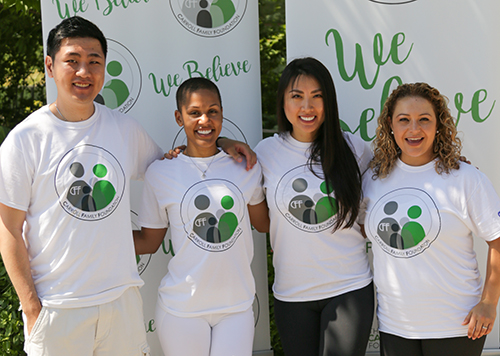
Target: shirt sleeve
151	214
483	207
258	195
146	151
16	176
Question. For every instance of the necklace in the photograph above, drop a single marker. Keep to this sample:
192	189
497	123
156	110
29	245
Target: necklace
64	119
203	172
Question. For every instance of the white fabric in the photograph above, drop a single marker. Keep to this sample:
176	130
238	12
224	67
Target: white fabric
428	280
204	276
224	334
81	254
310	262
110	329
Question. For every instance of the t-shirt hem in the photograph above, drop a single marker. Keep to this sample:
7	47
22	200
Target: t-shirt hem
91	301
14	205
234	309
426	335
325	295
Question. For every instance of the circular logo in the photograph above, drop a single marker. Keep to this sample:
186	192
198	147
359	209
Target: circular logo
211	212
404	222
392	2
303	199
123	80
229	130
89	182
142	260
209	18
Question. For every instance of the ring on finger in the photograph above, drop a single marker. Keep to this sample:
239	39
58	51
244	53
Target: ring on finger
485	327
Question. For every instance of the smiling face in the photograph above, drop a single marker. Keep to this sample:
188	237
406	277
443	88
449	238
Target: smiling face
303	106
78	71
414	125
201	116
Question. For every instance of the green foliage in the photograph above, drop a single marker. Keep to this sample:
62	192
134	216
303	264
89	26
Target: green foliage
22	91
11	326
272	56
21	61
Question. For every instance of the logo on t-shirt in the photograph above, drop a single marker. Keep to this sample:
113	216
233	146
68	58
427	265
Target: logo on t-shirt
211	212
89	182
305	201
404	222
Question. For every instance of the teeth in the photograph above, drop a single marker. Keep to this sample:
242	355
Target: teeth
414	139
81	85
307	118
204	132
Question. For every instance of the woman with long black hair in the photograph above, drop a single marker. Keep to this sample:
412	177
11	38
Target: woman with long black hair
324	298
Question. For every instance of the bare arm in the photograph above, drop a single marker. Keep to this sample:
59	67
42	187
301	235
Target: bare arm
484	313
259	216
148	240
237	150
16	260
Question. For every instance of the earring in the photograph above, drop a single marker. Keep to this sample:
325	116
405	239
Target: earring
437	131
392	132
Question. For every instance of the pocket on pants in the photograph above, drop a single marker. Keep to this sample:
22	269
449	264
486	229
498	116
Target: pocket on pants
38	323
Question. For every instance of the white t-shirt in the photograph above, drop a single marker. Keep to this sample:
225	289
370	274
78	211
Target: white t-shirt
210	228
72	179
421	225
310	262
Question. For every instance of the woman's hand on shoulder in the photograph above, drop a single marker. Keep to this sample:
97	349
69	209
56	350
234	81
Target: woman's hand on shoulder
238	150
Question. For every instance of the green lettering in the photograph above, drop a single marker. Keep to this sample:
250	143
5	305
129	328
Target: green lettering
170	248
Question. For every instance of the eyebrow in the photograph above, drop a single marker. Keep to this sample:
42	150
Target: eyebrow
300	91
76	54
196	107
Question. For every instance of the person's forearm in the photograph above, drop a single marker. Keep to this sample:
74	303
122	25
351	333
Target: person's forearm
491	290
16	261
148	241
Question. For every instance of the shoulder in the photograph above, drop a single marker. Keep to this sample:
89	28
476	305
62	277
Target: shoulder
161	168
124	120
36	124
267	143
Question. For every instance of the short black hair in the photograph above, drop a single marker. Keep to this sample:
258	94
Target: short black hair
194	84
74	27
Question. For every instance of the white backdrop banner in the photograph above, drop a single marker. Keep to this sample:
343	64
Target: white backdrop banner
371	46
154	45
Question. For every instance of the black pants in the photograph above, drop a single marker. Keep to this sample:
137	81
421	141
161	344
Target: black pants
337	326
392	345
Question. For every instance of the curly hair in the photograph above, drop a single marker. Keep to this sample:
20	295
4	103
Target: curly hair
446	147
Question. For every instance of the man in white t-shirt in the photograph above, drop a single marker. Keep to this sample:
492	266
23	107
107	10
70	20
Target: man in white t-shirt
65	231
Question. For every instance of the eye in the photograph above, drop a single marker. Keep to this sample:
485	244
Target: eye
194	113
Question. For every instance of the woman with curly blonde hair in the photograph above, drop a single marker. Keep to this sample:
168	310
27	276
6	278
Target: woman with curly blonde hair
424	206
446	146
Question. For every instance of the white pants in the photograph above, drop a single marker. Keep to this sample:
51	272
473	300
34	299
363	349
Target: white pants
111	329
209	335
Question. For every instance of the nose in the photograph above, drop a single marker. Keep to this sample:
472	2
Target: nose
414	125
307	104
203	118
83	70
